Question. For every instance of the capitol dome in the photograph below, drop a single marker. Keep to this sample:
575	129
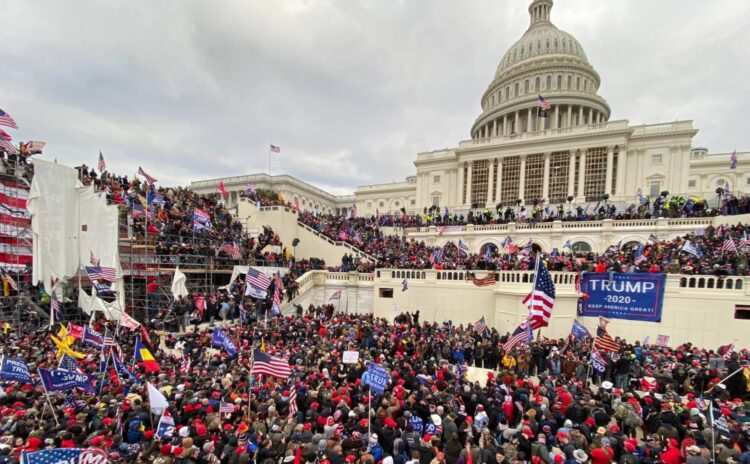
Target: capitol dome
545	62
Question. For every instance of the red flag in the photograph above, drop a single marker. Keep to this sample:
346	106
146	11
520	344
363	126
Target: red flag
223	190
144	335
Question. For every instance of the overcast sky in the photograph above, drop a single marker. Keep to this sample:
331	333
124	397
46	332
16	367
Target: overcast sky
350	90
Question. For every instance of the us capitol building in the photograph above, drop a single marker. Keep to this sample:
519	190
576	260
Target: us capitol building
513	154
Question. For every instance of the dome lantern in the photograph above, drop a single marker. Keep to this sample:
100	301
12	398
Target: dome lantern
539	10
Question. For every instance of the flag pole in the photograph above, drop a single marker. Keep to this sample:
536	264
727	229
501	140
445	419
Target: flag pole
46	394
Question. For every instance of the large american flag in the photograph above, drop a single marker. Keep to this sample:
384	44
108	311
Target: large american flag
231	249
522	334
101	164
604	340
8	147
480	327
264	364
292	402
226	408
744	242
485	281
729	246
541	300
101	273
257	279
7	120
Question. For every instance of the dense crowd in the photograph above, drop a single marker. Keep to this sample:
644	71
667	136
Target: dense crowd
435	408
700	252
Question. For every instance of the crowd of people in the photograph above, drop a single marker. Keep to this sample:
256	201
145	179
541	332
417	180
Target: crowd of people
705	251
453	396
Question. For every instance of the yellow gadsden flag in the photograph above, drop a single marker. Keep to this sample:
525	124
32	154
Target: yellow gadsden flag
62	334
64	348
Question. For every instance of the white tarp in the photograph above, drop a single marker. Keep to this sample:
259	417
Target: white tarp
53	204
178	284
91	304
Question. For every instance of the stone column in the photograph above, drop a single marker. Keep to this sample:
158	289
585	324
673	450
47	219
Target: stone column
591	115
494	127
460	185
490	172
545	184
556	124
468	183
569	122
517	125
505	124
522	179
582	174
580	115
610	161
572	173
499	178
529	120
622	159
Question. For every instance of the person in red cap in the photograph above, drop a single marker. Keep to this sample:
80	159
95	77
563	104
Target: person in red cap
672	453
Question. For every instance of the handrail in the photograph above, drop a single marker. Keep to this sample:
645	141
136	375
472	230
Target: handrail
337	242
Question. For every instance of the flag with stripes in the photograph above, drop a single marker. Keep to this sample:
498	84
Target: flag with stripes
231	249
485	281
101	164
653	238
604	340
128	321
264	364
7	120
257	283
101	273
522	334
226	408
597	362
200	216
541	300
729	246
481	328
725	351
404	285
8	147
143	173
68	363
543	106
744	242
275	149
92	260
185	365
72	400
335	295
293	403
56	307
139	211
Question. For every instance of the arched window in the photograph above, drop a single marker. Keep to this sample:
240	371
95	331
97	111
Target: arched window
491	246
570	82
539	45
555	43
526	86
549	82
581	247
516	89
547	44
559	81
538	84
507	93
578	83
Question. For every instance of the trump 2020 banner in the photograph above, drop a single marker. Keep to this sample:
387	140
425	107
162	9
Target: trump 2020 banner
636	297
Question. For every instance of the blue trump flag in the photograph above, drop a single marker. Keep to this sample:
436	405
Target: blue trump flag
64	380
92	337
635	297
579	331
221	340
122	370
15	370
65	455
376	377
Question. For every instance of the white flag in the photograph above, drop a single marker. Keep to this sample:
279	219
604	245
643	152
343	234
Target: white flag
128	322
156	399
178	284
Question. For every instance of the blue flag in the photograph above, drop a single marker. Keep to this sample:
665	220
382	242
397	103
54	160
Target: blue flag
377	378
221	340
15	370
66	455
73	401
92	337
122	370
579	331
68	362
166	426
62	380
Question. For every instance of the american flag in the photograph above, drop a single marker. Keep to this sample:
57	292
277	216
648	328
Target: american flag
541	300
729	246
8	147
226	408
485	281
542	103
101	273
744	242
522	334
725	351
92	260
7	120
481	327
506	241
275	149
293	403
68	363
143	173
604	340
264	364
140	211
55	306
335	295
231	249
250	190
72	400
101	164
733	160
653	238
185	365
257	279
200	216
